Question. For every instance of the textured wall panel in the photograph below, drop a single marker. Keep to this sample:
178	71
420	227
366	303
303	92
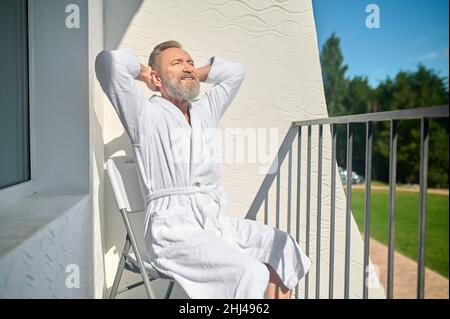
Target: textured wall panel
36	268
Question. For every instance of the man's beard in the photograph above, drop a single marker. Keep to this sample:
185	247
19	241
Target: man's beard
176	90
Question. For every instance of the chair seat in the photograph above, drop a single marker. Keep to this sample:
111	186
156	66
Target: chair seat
152	272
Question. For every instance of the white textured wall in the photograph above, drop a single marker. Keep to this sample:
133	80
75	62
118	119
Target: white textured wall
40	238
276	41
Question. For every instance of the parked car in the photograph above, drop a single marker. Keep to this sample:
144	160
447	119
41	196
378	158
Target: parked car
356	178
343	175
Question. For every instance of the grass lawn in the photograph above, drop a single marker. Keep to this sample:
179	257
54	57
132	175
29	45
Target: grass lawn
406	224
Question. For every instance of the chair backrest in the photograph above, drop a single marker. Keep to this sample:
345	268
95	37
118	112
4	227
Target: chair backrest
123	174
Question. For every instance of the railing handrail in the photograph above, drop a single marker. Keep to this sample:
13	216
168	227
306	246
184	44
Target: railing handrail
407	114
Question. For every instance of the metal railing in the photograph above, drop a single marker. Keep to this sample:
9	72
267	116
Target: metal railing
295	131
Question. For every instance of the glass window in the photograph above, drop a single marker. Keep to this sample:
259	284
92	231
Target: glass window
14	104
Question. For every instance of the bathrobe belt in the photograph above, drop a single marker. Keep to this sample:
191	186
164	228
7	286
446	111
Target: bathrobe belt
212	189
197	188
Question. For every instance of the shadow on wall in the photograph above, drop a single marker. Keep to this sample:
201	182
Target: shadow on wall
115	29
128	10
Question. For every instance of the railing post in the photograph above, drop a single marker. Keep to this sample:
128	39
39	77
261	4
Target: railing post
392	187
422	207
368	173
289	195
299	168
348	208
308	205
319	211
332	210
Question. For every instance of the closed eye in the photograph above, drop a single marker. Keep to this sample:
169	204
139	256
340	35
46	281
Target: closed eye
178	61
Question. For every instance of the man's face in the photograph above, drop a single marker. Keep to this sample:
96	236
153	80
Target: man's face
177	73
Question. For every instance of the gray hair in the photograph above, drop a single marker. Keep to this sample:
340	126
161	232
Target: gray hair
160	48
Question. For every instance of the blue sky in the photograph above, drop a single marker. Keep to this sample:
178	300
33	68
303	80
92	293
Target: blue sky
411	32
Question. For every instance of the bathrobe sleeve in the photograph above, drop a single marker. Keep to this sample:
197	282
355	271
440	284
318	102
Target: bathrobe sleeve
226	78
116	71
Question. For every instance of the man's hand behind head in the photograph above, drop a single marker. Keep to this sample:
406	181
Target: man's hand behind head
146	77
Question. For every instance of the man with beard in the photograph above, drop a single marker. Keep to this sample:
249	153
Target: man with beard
187	234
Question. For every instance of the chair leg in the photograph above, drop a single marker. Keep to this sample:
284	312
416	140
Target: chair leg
143	271
169	290
145	279
120	268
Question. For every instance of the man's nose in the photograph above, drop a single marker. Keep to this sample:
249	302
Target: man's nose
187	67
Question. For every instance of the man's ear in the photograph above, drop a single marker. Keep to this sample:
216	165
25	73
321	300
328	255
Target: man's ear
156	80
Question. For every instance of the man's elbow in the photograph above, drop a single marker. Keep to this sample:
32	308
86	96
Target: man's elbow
103	59
103	63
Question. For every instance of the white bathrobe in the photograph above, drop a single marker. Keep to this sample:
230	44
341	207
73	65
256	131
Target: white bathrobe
187	235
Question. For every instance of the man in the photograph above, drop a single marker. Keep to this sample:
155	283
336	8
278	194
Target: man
187	235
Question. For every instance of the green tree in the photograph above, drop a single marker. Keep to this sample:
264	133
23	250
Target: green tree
438	160
333	73
359	99
421	88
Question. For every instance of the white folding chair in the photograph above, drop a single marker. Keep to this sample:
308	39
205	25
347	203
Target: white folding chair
123	175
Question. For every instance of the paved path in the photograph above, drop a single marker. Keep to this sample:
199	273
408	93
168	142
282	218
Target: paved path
411	189
405	275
